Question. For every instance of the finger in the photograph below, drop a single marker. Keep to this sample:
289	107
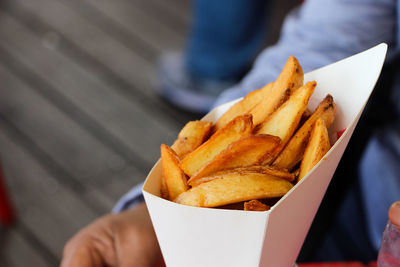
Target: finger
160	262
394	213
137	247
81	253
132	253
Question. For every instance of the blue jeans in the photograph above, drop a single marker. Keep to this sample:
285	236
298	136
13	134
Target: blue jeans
224	38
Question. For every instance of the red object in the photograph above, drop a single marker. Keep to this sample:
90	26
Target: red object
339	133
6	211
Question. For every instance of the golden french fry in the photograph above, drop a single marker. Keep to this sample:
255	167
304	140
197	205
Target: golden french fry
163	188
192	135
316	148
236	129
174	178
234	187
284	121
248	151
293	152
289	80
277	172
255	205
273	171
243	106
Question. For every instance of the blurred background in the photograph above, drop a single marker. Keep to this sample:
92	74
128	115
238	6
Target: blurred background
80	122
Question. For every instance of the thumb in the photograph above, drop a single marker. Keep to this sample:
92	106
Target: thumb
82	255
394	213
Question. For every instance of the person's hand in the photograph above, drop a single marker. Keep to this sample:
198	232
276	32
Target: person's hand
394	213
117	240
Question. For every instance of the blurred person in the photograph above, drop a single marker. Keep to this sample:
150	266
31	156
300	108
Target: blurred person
224	38
318	33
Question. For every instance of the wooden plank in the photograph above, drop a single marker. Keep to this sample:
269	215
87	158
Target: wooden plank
180	5
16	251
123	17
120	57
102	199
53	131
108	191
130	128
109	60
176	15
117	186
49	210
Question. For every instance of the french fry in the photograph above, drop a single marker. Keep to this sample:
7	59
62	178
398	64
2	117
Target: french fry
293	152
289	80
234	187
269	170
163	188
229	163
243	106
174	178
316	148
192	135
255	205
236	129
248	151
284	121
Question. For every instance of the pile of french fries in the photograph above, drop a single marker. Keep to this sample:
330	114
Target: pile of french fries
256	151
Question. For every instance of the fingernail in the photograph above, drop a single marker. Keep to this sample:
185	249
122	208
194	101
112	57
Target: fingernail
396	205
394	213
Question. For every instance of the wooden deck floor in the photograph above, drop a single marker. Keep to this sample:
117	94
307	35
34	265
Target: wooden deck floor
80	123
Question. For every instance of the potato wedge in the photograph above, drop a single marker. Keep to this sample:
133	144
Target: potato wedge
163	188
243	106
316	148
192	135
174	178
248	151
234	187
290	79
273	171
255	205
284	121
236	129
293	152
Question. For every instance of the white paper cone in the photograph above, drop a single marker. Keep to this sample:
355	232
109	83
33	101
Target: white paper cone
191	237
